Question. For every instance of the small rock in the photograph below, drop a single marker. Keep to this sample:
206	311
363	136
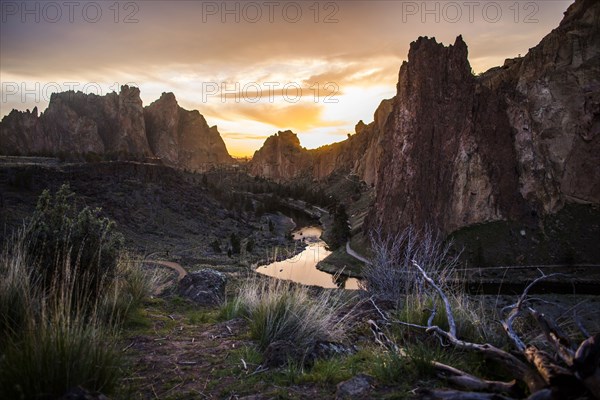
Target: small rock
323	349
280	352
204	287
353	388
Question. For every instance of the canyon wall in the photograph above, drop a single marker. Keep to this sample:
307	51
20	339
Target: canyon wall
518	141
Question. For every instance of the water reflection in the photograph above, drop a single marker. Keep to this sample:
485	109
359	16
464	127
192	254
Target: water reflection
302	267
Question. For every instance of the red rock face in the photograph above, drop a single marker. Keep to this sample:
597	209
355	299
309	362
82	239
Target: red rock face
182	138
80	123
517	141
77	122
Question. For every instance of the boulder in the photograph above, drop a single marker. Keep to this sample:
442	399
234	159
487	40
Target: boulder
280	352
323	349
205	287
354	388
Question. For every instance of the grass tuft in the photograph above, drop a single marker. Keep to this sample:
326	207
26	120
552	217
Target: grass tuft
281	310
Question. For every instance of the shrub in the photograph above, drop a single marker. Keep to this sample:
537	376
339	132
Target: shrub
50	341
60	235
58	316
391	275
281	310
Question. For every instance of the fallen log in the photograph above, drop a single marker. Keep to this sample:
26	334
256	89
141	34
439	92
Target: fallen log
553	374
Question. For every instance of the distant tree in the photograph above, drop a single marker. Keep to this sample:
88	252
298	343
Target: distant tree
235	243
250	245
271	226
216	246
340	232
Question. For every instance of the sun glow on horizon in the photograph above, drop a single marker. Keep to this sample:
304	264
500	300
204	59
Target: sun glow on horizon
251	83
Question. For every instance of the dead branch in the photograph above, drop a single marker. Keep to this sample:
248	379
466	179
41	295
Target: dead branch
385	318
553	374
512	364
472	383
556	337
433	314
449	314
519	369
459	395
541	373
517	309
381	338
587	364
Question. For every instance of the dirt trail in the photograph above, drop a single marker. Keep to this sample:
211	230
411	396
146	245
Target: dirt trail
355	254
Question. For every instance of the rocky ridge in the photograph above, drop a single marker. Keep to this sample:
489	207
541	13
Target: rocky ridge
115	124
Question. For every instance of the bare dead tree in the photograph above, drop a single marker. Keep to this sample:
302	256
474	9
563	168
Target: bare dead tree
390	275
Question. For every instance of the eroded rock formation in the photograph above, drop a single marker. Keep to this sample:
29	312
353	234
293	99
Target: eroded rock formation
518	141
181	137
116	124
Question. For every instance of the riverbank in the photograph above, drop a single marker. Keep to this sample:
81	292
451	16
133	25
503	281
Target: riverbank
342	263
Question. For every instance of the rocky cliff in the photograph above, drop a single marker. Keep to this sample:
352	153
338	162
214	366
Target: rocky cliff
183	138
517	142
116	124
282	158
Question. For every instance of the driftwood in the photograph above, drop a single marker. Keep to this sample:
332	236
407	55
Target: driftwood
541	372
470	382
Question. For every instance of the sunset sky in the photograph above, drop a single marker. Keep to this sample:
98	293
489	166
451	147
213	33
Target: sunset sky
251	68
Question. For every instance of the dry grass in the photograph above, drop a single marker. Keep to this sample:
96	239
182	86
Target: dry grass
53	337
281	310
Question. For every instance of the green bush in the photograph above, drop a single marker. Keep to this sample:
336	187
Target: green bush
64	291
60	235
